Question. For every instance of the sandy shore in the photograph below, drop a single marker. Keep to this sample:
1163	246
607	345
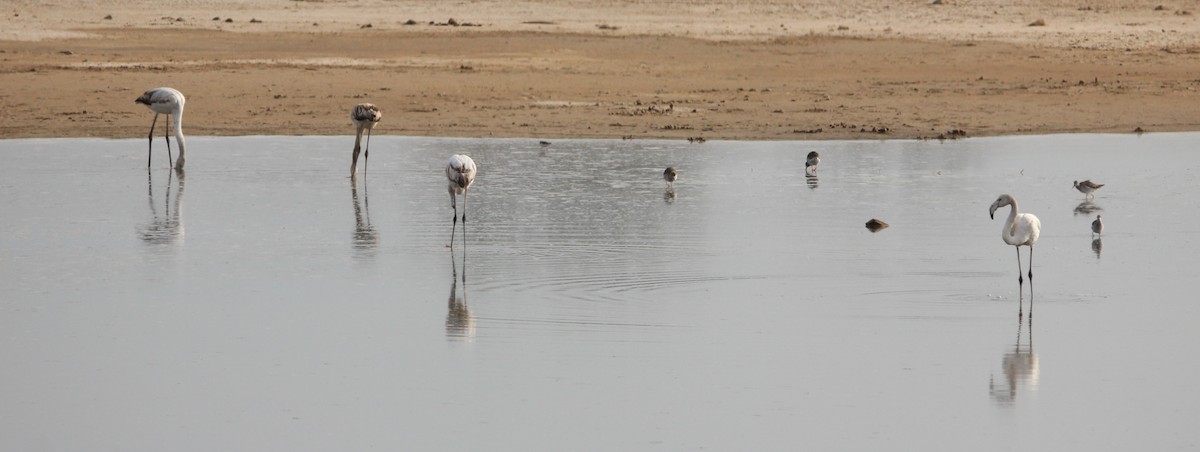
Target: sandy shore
715	69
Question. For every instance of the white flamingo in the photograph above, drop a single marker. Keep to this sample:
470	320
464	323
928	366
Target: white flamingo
1020	229
460	171
365	116
166	101
670	175
810	164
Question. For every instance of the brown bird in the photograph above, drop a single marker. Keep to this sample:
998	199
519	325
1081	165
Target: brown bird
1087	187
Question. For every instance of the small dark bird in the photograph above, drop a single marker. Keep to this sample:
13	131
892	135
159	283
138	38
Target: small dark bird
876	225
810	165
670	175
1097	225
1087	187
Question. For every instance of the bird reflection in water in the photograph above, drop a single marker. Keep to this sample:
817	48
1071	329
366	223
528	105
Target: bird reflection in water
813	182
366	239
1020	368
669	195
165	227
1097	247
459	321
1087	208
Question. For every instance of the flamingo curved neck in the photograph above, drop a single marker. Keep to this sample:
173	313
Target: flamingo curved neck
179	139
1010	234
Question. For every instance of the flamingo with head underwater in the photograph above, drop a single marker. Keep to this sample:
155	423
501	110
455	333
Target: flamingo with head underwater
166	101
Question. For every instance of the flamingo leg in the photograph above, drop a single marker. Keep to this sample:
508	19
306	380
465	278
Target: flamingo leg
1031	283
167	138
367	153
1020	286
150	139
454	228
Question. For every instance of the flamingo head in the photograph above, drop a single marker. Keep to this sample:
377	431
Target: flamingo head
1003	200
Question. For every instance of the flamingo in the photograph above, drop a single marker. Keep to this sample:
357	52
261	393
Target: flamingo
670	175
1097	225
365	116
167	101
1087	187
460	171
810	164
1020	229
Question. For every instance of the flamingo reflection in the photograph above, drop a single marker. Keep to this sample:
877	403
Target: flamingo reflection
366	239
1020	369
165	227
459	321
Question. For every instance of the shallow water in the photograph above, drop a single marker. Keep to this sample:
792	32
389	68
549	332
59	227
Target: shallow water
260	301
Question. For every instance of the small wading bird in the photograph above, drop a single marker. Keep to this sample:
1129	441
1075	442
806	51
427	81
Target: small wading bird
460	171
810	165
670	175
1020	229
365	116
1097	226
1087	187
165	101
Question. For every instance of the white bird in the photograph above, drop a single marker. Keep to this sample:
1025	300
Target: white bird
167	101
365	116
810	164
1087	187
1020	229
460	171
1097	225
670	175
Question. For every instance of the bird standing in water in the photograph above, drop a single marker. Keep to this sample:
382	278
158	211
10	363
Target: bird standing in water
810	164
670	175
1097	225
460	171
165	101
1087	187
1020	229
365	116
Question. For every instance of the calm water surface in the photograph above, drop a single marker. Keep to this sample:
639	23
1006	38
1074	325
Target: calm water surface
262	301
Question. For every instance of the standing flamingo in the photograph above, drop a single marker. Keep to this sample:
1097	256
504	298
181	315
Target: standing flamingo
167	101
460	170
810	164
365	116
1020	229
670	175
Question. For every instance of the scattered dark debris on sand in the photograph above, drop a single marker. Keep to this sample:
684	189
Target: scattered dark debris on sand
216	18
255	21
1038	23
66	52
676	127
1139	131
816	130
108	17
539	22
454	23
876	225
696	140
366	26
229	20
410	22
952	134
607	27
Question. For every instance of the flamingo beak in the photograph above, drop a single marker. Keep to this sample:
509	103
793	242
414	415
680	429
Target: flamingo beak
992	211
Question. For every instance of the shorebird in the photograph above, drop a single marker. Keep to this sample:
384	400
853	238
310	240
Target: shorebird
670	175
810	165
165	101
1020	229
460	171
1097	225
365	116
1087	187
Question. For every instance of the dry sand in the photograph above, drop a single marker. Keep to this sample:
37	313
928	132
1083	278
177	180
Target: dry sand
754	69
